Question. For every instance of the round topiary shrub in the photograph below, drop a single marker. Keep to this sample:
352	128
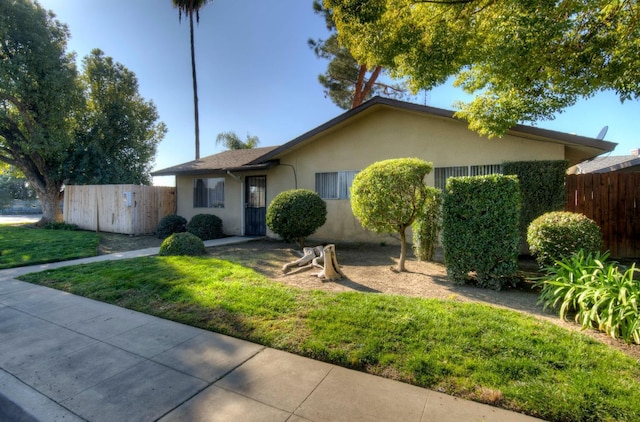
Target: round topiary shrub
206	226
296	214
170	224
182	244
557	235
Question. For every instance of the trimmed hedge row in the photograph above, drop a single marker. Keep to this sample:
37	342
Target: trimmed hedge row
542	188
204	226
480	224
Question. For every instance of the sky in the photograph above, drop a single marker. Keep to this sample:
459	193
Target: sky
256	74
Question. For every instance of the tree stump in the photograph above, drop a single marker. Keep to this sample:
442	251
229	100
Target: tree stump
330	269
309	255
319	257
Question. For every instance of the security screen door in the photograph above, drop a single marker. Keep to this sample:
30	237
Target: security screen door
255	206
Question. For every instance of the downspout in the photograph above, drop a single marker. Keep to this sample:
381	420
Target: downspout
241	181
295	176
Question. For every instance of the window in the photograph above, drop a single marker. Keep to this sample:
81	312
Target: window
335	185
208	193
443	173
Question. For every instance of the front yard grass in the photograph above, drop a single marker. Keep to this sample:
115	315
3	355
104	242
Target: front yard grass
474	351
27	245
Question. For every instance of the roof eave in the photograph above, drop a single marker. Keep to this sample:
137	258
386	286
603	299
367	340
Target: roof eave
578	146
196	172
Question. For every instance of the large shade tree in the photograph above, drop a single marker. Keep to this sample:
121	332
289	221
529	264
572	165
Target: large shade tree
522	60
347	82
191	8
49	114
120	146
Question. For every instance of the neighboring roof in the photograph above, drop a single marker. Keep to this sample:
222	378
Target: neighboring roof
607	164
577	148
231	160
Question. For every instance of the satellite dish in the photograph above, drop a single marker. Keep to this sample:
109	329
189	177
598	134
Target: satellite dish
602	133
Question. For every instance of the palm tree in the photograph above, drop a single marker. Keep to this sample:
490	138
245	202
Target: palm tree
233	141
189	8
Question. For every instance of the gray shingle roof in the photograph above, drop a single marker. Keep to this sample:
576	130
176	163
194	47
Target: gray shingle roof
606	164
231	160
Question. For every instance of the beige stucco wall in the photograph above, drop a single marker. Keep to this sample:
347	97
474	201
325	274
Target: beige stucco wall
376	134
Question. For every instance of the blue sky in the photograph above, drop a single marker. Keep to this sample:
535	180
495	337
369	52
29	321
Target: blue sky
256	74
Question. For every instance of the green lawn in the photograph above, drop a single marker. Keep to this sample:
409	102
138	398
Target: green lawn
469	350
27	245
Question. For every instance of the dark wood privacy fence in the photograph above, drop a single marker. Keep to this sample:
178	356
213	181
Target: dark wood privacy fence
613	201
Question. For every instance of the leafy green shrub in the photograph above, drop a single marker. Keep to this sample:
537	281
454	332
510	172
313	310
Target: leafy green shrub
426	227
182	244
560	234
542	189
480	231
206	226
601	296
60	225
170	224
387	196
296	214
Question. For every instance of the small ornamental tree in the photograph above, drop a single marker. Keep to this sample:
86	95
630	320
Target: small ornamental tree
296	214
388	195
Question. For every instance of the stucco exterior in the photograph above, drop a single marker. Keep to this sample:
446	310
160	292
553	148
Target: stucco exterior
362	137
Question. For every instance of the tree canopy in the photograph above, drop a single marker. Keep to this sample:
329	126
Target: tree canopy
523	60
58	126
346	82
387	196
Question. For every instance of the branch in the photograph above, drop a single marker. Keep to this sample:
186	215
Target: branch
358	98
24	112
371	82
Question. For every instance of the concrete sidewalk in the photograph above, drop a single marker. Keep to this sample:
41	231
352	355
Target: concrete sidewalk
69	358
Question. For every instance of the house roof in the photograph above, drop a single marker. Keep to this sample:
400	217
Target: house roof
577	148
607	164
231	160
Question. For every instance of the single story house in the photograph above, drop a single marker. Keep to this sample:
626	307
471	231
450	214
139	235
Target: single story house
238	185
612	163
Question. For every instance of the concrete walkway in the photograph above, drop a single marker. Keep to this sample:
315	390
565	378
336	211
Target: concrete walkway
69	358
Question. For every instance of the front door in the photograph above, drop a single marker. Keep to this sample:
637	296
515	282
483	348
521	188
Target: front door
255	206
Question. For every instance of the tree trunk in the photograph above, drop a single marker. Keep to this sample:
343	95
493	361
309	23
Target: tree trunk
50	201
331	270
357	90
195	88
362	89
403	250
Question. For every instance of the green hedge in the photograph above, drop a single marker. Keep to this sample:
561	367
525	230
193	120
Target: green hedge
296	214
427	226
480	229
206	226
183	243
557	235
542	189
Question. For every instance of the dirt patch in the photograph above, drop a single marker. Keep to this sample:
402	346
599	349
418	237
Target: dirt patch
116	243
368	268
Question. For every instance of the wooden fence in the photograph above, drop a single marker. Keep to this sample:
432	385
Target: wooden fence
613	201
128	209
